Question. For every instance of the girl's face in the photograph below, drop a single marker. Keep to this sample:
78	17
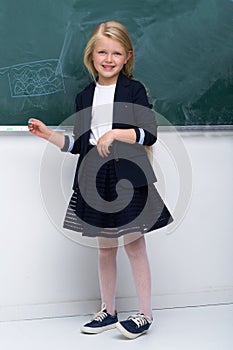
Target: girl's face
109	57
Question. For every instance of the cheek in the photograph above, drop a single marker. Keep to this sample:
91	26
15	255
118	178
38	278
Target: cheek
125	60
122	61
95	61
95	58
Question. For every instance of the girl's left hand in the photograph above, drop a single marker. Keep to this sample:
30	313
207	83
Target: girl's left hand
104	143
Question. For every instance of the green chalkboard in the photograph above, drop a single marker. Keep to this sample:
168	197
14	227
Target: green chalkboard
183	54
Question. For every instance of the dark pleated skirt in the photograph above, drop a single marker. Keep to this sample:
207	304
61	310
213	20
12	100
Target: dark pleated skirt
103	206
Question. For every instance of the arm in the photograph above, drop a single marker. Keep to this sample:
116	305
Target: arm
124	135
39	129
105	141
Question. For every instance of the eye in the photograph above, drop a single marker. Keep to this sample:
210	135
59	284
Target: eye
101	52
117	53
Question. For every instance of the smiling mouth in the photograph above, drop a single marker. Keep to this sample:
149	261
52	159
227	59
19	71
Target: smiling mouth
107	67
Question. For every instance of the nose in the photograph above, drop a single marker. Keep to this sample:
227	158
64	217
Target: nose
109	57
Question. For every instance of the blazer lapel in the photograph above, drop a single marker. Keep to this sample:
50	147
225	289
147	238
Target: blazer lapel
122	97
122	92
87	105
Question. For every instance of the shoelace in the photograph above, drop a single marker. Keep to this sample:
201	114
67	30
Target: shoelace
140	319
101	315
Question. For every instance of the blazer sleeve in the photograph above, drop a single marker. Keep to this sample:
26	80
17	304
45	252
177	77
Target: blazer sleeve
144	115
72	142
76	130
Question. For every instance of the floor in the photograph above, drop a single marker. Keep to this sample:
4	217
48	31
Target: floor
206	327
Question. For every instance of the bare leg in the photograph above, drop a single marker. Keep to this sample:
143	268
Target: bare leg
108	272
137	254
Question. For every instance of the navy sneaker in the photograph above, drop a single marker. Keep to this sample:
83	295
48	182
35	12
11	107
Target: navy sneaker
101	321
135	325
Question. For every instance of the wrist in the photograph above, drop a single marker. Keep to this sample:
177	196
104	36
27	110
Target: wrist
124	135
114	134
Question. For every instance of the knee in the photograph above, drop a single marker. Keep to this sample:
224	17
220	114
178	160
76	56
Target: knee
107	253
136	248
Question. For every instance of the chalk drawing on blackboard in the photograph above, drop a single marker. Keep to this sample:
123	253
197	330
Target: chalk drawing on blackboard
35	78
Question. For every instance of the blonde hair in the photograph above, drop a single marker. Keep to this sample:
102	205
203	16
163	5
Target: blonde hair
115	31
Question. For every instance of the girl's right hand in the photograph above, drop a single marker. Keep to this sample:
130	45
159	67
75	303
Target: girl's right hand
38	128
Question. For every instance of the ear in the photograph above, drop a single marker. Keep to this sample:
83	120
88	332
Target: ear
130	54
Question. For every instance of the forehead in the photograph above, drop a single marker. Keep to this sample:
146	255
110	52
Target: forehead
108	43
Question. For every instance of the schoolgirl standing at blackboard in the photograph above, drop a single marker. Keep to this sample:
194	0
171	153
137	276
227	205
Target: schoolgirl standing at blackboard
114	122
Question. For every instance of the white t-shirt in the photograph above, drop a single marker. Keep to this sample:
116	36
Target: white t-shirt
102	111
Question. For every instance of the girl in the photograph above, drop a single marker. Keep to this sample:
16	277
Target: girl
110	140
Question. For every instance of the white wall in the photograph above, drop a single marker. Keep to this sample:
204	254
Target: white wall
47	272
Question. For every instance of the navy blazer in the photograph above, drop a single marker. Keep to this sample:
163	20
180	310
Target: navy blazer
131	110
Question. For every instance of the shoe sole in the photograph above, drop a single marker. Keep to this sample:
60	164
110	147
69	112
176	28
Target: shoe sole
128	334
91	330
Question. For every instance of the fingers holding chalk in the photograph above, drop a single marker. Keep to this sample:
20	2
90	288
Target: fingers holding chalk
37	127
32	121
32	125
